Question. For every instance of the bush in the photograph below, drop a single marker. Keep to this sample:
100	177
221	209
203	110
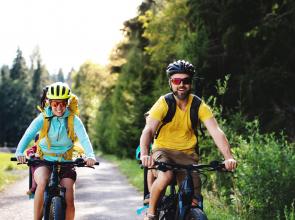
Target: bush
266	175
263	185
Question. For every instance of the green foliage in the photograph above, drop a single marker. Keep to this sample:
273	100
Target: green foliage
20	93
120	118
40	79
19	69
124	108
289	214
266	174
91	84
16	110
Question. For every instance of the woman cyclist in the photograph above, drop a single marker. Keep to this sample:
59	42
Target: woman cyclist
57	127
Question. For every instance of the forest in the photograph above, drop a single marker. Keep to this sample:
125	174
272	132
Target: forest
245	64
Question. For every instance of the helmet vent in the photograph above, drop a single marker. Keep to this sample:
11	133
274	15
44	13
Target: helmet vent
57	90
52	90
63	90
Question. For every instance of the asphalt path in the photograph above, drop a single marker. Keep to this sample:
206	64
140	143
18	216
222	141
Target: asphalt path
102	193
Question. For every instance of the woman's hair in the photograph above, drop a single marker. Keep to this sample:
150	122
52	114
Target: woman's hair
43	97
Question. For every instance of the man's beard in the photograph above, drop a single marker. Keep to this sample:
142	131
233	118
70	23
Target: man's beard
184	95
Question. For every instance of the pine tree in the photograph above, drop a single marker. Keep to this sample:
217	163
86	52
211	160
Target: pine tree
60	76
19	69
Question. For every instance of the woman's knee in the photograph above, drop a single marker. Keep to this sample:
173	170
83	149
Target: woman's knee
41	176
69	185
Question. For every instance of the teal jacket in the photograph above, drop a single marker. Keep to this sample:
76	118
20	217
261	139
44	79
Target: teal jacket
57	134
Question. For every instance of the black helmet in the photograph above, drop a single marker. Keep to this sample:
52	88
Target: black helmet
180	66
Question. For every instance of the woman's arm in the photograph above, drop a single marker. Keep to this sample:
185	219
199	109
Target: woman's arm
82	135
29	135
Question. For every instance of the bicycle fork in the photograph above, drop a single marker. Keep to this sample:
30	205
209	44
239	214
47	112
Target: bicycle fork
185	196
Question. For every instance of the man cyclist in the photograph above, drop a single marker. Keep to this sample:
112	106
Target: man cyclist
176	141
55	143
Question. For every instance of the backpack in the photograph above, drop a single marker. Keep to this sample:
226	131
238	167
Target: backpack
195	121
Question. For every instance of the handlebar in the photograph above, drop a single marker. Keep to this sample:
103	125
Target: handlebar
79	162
212	166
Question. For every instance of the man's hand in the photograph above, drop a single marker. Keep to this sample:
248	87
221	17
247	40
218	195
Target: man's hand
147	161
21	159
90	162
230	164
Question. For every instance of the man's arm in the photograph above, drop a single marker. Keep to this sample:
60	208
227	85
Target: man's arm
221	142
146	139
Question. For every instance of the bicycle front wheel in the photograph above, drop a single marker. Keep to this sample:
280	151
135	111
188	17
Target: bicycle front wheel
57	209
196	214
166	215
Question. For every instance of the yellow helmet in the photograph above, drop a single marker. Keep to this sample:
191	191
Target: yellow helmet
58	90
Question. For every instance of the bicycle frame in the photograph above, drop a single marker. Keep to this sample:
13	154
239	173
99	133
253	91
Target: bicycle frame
177	205
52	190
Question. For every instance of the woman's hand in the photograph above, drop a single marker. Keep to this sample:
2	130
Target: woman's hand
90	162
21	159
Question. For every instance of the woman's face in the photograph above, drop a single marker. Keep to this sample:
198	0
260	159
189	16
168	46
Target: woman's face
58	106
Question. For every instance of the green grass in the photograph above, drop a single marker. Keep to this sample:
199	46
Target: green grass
8	170
215	209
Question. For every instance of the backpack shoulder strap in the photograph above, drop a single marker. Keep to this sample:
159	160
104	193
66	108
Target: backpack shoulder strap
195	121
196	102
171	102
74	111
45	128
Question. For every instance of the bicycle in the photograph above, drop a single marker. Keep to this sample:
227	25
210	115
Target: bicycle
54	205
178	205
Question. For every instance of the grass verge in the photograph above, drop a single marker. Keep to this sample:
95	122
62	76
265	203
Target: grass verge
8	170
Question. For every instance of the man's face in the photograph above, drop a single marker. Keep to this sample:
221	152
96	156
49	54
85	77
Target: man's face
181	85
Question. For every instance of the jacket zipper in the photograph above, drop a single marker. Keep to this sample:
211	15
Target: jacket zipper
58	129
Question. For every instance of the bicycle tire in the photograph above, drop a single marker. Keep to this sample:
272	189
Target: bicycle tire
57	210
166	215
196	214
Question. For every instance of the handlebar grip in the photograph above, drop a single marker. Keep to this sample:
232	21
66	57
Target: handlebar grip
96	163
13	159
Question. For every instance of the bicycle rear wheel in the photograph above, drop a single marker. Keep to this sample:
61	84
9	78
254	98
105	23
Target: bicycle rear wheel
196	214
57	209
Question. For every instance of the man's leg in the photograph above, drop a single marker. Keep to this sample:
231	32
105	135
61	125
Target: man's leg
41	176
160	184
150	179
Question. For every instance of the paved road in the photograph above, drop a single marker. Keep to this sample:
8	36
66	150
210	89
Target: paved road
101	194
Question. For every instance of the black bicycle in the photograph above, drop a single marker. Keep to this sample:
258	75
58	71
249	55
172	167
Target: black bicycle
177	205
54	196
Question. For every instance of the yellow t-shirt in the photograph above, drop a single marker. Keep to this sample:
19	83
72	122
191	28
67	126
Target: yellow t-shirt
177	134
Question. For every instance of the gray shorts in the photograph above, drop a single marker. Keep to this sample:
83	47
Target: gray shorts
178	157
